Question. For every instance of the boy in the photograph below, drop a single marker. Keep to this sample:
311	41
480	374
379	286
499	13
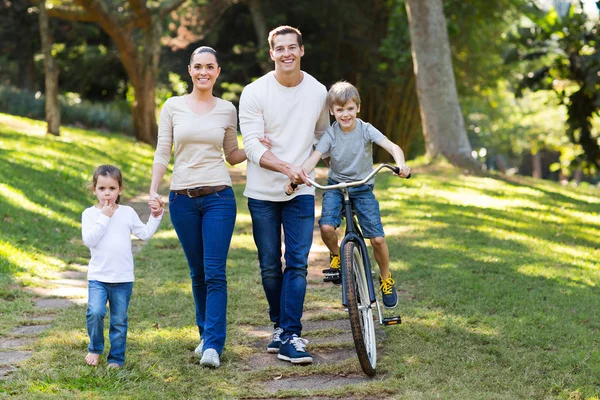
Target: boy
348	141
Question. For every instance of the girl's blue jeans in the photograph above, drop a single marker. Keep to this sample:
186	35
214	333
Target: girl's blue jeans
285	289
118	296
204	226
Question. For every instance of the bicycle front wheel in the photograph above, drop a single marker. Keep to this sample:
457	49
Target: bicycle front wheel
359	308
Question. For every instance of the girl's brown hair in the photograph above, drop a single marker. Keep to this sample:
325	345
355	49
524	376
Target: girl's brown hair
108	171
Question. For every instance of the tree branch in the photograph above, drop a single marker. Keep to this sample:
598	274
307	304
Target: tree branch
70	13
168	6
141	12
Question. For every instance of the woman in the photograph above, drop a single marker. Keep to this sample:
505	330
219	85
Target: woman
200	128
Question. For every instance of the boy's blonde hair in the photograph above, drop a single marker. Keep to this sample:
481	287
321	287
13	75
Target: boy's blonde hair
342	92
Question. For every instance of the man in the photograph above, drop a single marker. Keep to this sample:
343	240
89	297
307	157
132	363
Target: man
290	108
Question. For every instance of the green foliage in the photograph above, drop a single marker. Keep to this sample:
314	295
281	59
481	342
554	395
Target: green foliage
114	116
562	54
176	87
497	283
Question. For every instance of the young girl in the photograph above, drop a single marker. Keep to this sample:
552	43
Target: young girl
106	229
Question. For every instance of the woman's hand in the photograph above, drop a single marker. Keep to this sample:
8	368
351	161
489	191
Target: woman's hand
265	141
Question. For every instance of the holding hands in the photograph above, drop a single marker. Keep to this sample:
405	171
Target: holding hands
156	205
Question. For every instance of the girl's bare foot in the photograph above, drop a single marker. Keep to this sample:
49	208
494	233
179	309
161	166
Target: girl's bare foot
113	366
92	359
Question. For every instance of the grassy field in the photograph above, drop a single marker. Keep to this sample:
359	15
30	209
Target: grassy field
498	282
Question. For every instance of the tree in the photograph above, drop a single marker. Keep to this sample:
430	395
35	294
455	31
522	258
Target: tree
562	49
443	124
51	74
18	16
136	29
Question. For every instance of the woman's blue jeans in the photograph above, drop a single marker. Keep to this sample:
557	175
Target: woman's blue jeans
204	226
118	296
285	289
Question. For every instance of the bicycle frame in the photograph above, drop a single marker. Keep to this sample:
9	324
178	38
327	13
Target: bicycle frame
353	234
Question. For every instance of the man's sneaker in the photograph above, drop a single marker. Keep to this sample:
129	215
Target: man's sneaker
273	346
388	292
210	358
293	349
333	273
198	350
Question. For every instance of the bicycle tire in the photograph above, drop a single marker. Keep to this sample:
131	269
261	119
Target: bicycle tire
359	309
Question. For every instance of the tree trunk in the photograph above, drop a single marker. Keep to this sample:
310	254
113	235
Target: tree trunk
51	74
536	159
144	108
261	30
443	123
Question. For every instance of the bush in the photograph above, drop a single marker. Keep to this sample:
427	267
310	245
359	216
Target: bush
114	116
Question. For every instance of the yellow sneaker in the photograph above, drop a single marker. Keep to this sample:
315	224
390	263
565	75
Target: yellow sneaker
333	273
388	292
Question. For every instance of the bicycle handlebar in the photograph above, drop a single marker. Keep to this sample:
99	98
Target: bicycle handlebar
353	183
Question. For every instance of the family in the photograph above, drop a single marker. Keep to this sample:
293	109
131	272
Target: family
284	121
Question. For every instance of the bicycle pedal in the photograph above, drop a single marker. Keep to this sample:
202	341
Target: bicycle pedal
392	320
332	275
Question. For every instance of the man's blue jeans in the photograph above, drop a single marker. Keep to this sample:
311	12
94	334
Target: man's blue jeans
204	226
118	296
285	290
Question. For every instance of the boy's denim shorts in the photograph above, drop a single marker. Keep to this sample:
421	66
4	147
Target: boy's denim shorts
364	203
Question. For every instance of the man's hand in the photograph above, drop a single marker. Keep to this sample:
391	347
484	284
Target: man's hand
297	175
288	189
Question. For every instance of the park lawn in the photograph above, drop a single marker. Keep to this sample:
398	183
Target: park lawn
498	281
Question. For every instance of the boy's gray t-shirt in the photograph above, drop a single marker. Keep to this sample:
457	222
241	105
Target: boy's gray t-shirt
351	152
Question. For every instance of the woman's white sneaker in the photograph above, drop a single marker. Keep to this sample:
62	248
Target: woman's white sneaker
210	358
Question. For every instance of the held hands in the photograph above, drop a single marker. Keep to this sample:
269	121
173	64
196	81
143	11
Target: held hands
156	205
404	170
108	209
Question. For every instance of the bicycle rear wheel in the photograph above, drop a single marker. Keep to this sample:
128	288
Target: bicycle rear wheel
359	308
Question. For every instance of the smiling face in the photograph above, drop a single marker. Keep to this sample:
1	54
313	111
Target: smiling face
286	53
346	115
204	71
107	189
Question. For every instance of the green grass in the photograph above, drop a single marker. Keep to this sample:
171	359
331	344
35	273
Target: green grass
498	276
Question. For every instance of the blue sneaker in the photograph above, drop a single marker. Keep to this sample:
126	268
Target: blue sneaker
273	346
388	292
293	349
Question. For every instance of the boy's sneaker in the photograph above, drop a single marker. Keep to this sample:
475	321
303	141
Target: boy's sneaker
210	358
333	273
388	292
293	349
273	346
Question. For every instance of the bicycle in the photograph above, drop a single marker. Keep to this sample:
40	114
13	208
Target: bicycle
358	293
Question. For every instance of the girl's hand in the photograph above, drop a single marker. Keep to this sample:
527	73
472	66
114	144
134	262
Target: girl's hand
108	209
157	212
155	198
